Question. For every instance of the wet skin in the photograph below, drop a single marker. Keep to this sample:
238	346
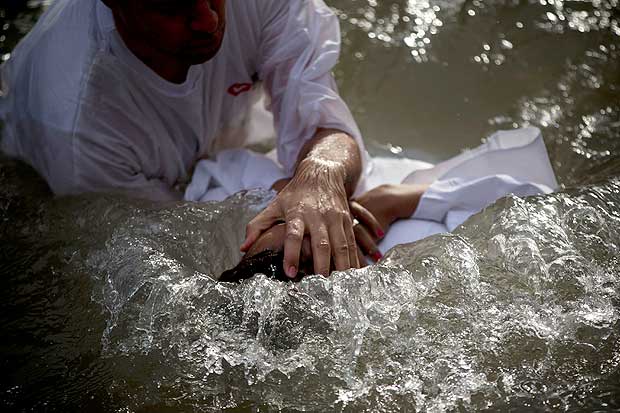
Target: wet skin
169	36
376	210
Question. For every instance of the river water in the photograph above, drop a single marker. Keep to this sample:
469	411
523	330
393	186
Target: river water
109	304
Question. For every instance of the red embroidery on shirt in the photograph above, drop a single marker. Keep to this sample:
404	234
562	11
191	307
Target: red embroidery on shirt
239	88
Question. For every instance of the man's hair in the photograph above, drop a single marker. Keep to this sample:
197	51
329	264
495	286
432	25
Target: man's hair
267	262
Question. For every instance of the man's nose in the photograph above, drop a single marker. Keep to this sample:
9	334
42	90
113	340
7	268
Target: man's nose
205	18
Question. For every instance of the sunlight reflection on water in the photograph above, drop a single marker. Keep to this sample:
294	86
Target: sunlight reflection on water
110	304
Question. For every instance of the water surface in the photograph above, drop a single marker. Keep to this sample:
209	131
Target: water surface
109	304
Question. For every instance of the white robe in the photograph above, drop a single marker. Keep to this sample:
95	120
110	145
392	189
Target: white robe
510	162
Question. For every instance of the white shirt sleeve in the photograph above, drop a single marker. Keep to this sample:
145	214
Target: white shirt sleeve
300	45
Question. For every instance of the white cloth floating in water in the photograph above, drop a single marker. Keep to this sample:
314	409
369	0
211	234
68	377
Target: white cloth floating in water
232	171
510	162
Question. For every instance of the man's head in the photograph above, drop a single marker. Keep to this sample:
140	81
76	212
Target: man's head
189	32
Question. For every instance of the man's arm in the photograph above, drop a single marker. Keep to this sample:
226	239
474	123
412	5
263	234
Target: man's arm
315	201
318	140
333	149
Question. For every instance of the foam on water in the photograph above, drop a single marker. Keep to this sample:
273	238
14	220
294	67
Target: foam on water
109	304
517	308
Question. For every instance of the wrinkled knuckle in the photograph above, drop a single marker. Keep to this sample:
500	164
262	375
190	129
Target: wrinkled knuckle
295	224
336	214
342	249
294	235
322	245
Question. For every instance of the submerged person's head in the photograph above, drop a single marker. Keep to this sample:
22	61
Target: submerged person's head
266	256
188	31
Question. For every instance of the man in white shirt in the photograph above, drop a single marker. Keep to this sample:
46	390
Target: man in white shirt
127	95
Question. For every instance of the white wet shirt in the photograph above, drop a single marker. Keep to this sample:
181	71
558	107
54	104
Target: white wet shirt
90	116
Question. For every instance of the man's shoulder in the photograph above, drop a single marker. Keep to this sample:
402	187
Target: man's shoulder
258	13
53	58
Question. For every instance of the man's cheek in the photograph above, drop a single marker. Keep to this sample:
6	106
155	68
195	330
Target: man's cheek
170	33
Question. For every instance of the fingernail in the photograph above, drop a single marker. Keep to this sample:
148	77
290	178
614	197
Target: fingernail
380	233
292	272
377	256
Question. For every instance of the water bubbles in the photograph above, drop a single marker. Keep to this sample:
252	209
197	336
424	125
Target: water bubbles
561	17
506	45
517	306
518	309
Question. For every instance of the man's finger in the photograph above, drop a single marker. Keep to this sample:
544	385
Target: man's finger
348	232
261	223
292	245
366	218
321	250
366	242
338	242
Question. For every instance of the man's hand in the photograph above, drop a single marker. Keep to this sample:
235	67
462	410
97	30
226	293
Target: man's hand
316	202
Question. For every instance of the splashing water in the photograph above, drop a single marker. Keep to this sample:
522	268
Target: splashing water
110	304
517	308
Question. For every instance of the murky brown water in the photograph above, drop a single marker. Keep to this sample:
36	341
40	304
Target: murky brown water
108	304
436	76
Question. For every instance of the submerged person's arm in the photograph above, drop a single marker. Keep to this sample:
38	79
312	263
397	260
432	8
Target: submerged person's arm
389	203
386	204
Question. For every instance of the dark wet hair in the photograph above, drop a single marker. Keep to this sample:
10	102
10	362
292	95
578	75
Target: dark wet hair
267	262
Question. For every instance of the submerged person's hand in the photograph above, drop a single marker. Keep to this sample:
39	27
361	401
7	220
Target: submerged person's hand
368	232
378	208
